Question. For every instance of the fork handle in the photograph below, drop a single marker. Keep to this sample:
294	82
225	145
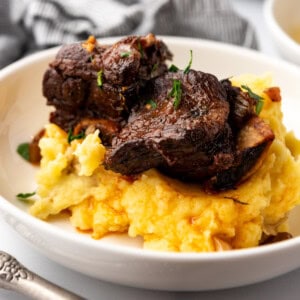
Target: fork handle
14	276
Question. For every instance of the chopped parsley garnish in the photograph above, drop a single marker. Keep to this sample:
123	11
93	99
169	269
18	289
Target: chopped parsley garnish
25	197
186	70
99	78
154	68
125	54
72	137
23	150
173	68
236	200
151	103
259	106
176	93
258	99
140	48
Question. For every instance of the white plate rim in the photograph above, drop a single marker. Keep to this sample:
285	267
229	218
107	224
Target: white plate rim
8	208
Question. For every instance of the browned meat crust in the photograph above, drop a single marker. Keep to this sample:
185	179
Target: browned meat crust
187	124
94	81
186	142
213	136
252	141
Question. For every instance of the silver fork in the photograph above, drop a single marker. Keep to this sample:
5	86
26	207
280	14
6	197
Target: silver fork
16	277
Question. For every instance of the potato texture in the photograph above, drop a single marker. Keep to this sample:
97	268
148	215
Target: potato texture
170	215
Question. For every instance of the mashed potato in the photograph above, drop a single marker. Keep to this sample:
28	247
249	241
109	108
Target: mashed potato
168	214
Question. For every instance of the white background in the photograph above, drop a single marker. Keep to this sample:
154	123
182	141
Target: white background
285	287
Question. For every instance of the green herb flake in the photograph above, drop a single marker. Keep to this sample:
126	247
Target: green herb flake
258	99
173	68
154	68
25	197
176	93
72	137
99	78
259	106
125	54
140	48
188	67
23	150
236	200
151	103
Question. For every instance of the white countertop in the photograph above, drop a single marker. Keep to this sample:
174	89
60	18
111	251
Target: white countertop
284	287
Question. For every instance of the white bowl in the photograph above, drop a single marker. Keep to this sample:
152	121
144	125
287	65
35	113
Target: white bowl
283	20
117	258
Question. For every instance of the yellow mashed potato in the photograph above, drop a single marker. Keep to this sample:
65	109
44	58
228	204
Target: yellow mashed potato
168	214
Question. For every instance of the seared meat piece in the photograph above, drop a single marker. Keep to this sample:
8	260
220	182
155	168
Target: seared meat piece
190	126
252	141
89	80
133	59
241	105
64	118
194	140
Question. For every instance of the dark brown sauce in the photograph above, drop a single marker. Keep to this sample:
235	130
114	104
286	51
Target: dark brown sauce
34	149
279	237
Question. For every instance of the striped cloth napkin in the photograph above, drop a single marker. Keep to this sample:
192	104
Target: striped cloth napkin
31	25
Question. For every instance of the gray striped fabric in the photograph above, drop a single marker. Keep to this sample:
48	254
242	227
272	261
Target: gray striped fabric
30	25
